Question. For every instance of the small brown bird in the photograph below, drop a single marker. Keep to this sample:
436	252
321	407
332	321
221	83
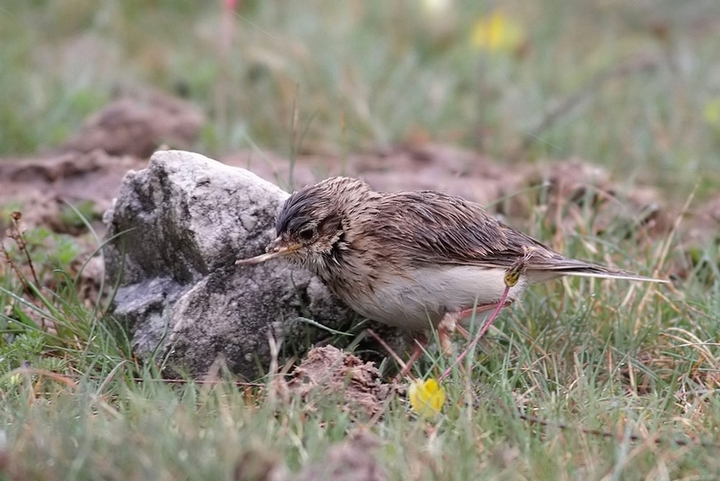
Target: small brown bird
415	260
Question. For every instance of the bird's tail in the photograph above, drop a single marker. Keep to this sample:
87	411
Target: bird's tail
572	267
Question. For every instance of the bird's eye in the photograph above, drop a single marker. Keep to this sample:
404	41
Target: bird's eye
306	234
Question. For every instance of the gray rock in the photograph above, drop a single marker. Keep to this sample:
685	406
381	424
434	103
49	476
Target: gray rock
180	225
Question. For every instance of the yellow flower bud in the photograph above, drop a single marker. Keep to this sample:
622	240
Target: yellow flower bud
426	397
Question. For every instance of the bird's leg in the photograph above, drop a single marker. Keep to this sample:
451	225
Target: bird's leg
449	323
465	313
445	328
511	278
384	344
463	332
418	350
480	334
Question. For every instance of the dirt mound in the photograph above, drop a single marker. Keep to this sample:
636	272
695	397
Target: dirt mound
136	124
87	170
328	371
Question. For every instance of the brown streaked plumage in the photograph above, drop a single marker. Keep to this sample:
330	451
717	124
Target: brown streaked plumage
412	259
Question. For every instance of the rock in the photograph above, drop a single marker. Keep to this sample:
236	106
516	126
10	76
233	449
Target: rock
182	223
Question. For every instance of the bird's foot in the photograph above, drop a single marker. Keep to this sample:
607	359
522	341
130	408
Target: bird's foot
448	324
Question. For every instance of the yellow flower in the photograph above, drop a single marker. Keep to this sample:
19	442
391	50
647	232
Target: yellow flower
426	397
496	33
712	112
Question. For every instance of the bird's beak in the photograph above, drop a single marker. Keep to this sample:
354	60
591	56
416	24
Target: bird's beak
277	248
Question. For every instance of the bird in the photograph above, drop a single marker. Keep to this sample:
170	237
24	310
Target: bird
422	261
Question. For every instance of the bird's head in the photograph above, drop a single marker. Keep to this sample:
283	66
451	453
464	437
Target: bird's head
312	222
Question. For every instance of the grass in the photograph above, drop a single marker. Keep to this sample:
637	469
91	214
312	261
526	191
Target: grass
622	376
598	362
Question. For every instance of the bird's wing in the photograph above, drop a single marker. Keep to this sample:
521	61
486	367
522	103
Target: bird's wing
436	228
433	228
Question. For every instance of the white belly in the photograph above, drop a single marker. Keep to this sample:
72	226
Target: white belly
423	296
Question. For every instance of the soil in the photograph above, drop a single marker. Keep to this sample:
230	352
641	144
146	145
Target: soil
328	371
